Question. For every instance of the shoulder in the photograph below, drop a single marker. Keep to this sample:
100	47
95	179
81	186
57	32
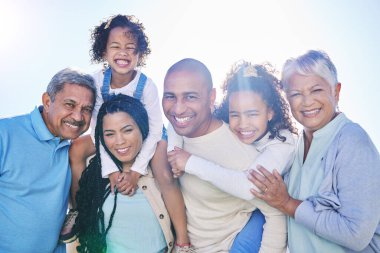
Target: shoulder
12	123
353	133
98	77
289	141
290	137
150	92
149	82
353	147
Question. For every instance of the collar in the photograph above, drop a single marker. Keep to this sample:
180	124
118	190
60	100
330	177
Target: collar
331	126
40	127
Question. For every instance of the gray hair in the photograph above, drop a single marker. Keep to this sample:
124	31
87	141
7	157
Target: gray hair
70	76
312	63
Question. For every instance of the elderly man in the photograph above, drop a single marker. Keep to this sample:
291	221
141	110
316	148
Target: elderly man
34	166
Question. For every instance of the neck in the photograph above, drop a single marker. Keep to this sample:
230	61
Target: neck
46	121
127	166
121	80
212	125
308	137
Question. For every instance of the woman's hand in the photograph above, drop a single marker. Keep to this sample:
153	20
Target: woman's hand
273	190
178	159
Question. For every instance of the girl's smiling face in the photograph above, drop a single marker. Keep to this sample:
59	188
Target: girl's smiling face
248	116
121	52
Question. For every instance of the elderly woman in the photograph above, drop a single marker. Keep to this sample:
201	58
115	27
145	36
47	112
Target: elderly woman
333	195
113	222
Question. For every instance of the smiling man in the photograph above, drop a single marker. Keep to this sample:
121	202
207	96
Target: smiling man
214	217
34	165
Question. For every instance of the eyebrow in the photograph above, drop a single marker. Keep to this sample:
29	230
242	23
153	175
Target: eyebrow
70	100
123	128
246	111
127	126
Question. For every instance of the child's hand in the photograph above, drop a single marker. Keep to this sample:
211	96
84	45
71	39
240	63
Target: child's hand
178	159
113	180
127	182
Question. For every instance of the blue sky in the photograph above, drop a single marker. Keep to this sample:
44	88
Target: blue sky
41	37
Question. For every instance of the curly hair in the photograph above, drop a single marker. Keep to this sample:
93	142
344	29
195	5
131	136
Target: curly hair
260	79
93	188
100	34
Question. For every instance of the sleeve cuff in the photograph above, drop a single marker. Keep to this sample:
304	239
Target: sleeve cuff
306	215
192	162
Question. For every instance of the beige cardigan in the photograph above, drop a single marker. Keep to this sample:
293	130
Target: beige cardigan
151	191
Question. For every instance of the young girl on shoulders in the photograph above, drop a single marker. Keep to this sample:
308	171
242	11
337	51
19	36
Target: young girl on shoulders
257	113
121	44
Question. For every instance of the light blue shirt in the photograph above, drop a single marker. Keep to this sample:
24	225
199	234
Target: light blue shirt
135	228
338	182
34	184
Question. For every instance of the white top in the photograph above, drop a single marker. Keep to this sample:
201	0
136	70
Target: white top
214	216
151	102
273	154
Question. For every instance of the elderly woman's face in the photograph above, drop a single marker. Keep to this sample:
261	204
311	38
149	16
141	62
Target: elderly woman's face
312	100
122	136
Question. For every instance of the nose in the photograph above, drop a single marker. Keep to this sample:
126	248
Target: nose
179	107
119	139
77	115
243	122
307	100
123	52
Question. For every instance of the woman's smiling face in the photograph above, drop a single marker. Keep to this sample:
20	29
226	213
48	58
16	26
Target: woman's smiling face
122	136
312	100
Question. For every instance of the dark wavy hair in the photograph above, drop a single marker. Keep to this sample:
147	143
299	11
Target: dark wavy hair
99	37
93	188
260	79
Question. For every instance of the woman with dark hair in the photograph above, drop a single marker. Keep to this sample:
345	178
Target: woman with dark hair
112	222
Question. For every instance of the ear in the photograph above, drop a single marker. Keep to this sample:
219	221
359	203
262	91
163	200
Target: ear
104	55
270	114
46	101
337	88
212	98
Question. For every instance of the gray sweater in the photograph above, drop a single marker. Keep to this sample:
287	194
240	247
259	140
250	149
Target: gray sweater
347	208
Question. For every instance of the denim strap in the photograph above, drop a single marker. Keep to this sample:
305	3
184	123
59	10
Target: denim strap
140	87
106	85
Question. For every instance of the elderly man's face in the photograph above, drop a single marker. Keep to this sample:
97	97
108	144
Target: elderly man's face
187	103
69	115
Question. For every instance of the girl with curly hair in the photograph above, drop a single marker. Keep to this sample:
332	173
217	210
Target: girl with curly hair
258	114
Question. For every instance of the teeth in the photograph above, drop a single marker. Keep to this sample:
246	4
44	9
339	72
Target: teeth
246	132
311	112
182	120
122	62
70	125
122	150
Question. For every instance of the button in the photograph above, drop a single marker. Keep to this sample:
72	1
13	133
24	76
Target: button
161	216
144	187
171	244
